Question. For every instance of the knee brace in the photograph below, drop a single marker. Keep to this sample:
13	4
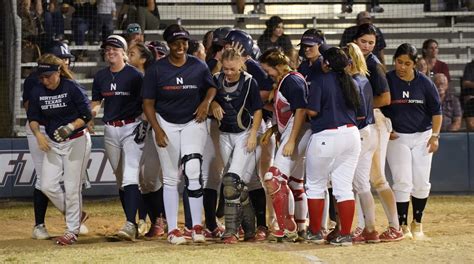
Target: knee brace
186	158
233	187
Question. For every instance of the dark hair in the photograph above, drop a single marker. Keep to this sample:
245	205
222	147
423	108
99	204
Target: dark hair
337	61
406	49
145	53
426	44
271	24
365	29
193	46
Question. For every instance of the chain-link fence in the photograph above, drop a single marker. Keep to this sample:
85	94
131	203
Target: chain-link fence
31	27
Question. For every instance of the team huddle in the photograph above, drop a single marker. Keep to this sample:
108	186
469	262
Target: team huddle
244	133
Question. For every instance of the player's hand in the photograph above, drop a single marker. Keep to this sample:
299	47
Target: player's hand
252	141
239	47
63	132
288	148
42	142
91	127
161	138
201	112
217	111
433	144
265	139
393	136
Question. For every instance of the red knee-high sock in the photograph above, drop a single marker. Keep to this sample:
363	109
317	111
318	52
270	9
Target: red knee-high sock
346	215
315	209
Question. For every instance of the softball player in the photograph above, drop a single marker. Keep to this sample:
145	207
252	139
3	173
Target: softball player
334	147
416	116
177	91
237	106
365	38
63	106
366	124
257	194
40	201
119	87
289	103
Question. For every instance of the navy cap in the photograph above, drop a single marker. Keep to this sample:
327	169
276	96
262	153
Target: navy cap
115	41
311	40
47	69
60	50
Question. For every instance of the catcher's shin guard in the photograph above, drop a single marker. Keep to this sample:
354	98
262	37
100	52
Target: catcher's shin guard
279	191
248	215
233	187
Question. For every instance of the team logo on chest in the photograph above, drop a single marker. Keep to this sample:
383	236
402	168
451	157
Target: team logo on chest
405	94
179	80
227	98
113	86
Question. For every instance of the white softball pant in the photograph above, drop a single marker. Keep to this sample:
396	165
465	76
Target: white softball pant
332	154
36	153
151	176
212	164
368	136
410	164
377	173
66	160
236	157
123	152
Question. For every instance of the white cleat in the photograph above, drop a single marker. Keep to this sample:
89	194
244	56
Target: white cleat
176	238
198	234
40	232
406	232
417	231
142	227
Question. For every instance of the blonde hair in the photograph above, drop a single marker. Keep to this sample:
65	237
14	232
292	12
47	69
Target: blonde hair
233	54
294	57
358	64
277	59
63	67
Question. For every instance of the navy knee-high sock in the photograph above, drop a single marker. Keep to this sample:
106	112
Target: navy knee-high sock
418	208
220	206
148	202
188	221
142	209
40	203
259	203
131	200
332	206
122	199
402	210
210	203
160	203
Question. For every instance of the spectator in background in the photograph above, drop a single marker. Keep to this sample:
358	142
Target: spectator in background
422	66
452	112
260	8
348	35
467	95
53	21
207	41
134	34
274	36
375	7
430	53
31	28
84	19
106	11
143	12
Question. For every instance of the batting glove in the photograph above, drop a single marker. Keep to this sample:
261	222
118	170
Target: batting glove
63	132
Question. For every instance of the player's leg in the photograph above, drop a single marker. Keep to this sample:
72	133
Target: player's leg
193	137
399	158
169	159
51	176
421	181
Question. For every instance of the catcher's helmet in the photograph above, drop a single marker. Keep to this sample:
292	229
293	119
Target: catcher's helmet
242	37
219	34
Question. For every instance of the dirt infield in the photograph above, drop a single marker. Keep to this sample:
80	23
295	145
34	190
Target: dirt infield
448	221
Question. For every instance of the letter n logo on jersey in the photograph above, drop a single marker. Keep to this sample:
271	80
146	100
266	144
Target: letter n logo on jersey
179	80
113	87
405	94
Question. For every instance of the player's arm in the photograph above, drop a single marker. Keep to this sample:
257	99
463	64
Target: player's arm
381	56
433	141
382	100
40	137
150	113
300	118
203	108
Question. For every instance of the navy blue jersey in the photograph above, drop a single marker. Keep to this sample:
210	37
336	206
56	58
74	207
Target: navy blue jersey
294	89
58	107
263	80
413	103
178	91
366	101
31	81
211	63
376	75
309	71
231	96
120	92
326	98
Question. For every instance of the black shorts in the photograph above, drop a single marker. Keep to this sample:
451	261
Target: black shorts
469	108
